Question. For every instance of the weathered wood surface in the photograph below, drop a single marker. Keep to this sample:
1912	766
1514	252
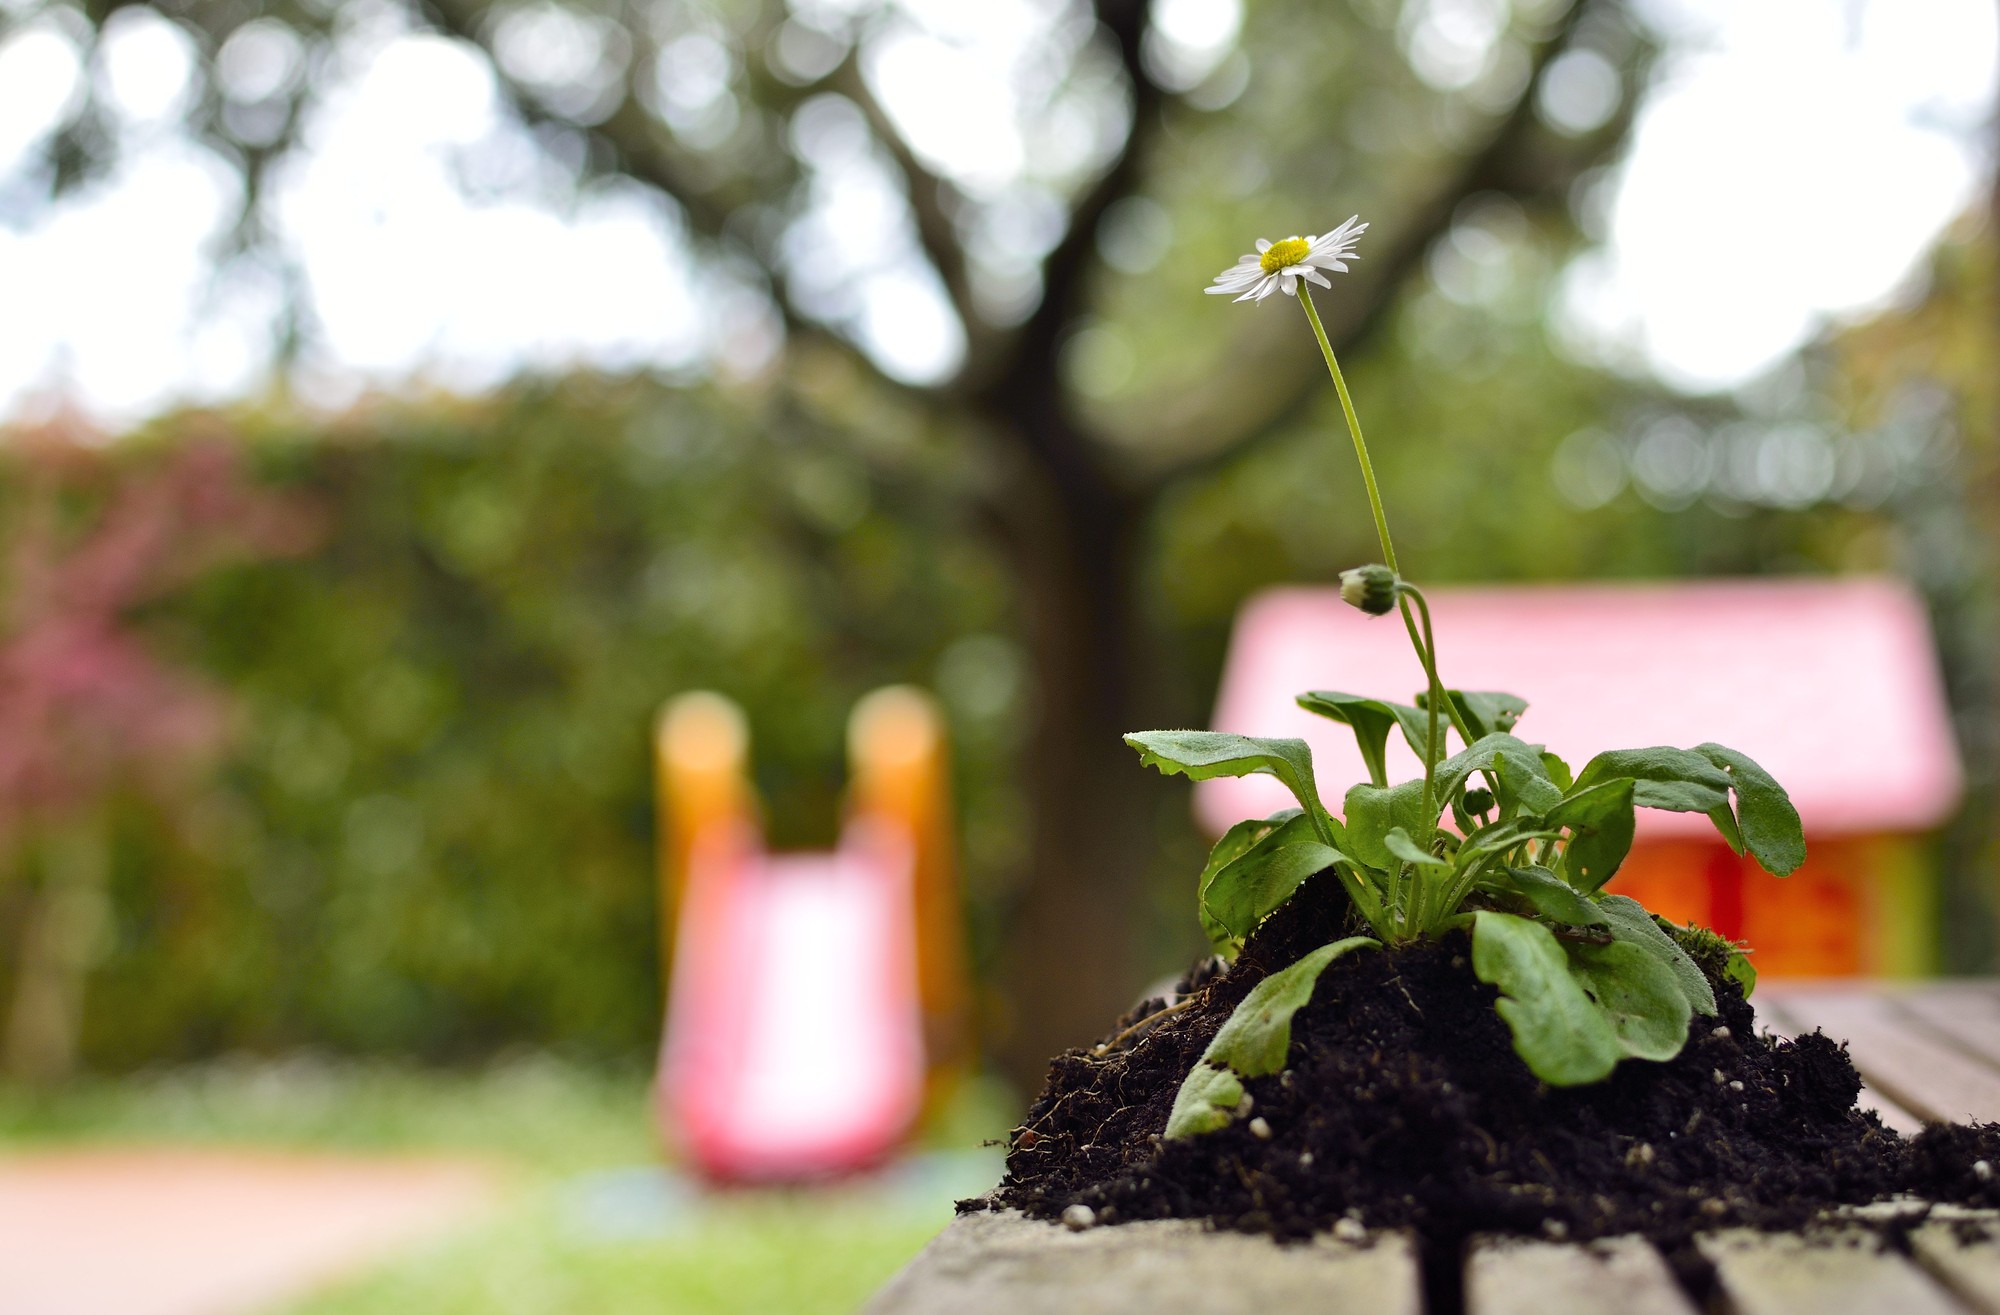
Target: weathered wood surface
1901	1054
1005	1264
1773	1015
1767	1274
1970	1269
1967	1014
1926	1052
1622	1274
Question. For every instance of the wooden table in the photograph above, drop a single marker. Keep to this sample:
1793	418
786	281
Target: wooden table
1925	1052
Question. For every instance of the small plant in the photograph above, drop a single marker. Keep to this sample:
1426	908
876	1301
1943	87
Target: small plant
1585	978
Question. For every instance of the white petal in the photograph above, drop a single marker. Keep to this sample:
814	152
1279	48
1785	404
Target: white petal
1346	230
1263	245
1314	276
1291	283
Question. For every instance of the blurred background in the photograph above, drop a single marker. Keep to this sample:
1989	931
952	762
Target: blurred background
403	401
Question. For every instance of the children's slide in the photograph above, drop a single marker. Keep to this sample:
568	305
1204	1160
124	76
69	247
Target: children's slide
813	998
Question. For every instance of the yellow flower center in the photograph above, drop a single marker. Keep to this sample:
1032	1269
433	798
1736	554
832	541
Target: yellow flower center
1283	255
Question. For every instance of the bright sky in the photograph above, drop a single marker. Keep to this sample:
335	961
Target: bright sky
1794	164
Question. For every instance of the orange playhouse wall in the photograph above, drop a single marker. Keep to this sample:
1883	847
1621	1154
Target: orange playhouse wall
1861	906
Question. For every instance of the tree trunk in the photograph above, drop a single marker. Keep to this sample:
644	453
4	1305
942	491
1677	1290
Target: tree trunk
1073	964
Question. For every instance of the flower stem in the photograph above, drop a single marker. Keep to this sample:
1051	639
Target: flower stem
1426	653
1421	642
1353	427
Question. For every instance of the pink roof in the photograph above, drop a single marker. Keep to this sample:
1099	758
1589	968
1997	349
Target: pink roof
1831	684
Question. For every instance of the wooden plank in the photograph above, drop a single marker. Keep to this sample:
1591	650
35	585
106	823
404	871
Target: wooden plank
1969	1268
1002	1263
1623	1274
1783	1274
1923	1075
1966	1013
1773	1014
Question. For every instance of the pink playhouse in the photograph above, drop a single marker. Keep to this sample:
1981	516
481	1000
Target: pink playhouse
1831	684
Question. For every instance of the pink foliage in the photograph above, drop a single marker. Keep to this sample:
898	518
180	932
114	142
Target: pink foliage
86	705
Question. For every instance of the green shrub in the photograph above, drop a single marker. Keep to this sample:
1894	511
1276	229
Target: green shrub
433	832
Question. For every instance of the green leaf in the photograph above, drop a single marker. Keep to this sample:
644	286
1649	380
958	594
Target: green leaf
1637	995
1724	818
1370	719
1237	841
1484	712
1398	842
1527	781
1771	830
1206	1101
1253	1041
1258	1034
1253	887
1677	780
1633	925
1679	796
1524	761
1600	822
1416	724
1498	837
1372	813
1204	755
1558	1030
1551	896
1741	971
1558	771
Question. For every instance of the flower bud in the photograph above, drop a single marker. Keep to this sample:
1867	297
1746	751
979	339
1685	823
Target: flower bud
1371	588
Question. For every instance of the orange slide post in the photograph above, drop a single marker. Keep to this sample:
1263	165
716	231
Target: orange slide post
815	999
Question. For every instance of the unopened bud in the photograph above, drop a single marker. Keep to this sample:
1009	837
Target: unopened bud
1371	588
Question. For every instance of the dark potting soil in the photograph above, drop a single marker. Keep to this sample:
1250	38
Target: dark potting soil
1405	1106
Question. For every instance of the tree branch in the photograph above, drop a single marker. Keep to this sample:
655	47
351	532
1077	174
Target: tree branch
1021	382
930	197
1508	162
638	143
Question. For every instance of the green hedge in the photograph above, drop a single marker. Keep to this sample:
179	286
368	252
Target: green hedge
434	831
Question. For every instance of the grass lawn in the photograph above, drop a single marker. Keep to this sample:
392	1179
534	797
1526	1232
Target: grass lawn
804	1256
587	1223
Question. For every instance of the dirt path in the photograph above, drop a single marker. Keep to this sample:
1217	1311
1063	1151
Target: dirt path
209	1232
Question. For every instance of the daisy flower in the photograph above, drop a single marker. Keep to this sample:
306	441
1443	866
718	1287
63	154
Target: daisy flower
1282	264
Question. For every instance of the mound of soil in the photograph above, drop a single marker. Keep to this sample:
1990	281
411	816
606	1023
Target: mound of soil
1405	1106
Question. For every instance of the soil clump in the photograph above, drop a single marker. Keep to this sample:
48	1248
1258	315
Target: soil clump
1405	1106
